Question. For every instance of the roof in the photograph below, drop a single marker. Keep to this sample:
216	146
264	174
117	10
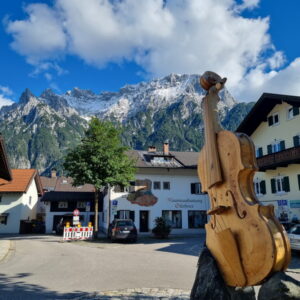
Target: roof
64	184
48	183
175	159
5	171
262	108
68	196
21	181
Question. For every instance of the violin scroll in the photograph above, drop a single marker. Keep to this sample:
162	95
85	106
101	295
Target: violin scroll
210	79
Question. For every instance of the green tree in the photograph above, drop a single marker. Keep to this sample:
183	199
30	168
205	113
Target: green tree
100	160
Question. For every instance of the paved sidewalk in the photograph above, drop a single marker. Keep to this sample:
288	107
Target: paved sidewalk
140	294
5	247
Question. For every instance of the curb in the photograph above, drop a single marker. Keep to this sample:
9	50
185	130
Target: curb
6	246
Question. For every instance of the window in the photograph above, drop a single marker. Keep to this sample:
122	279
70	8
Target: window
196	188
273	120
173	217
292	112
30	199
276	146
125	214
296	140
81	204
156	185
166	185
280	184
62	204
3	218
299	181
259	152
259	187
0	198
197	218
123	189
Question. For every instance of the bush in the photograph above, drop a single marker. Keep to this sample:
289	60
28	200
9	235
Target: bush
161	229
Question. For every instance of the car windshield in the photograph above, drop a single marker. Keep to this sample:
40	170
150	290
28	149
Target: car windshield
295	230
124	223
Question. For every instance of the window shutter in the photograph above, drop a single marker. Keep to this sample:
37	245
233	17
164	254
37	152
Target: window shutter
270	120
286	184
269	148
263	187
299	181
193	188
295	110
282	145
296	139
273	186
131	215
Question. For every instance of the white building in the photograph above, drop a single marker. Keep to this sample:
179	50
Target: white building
18	200
274	125
166	185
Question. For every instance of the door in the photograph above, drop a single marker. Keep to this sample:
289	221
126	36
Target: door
144	220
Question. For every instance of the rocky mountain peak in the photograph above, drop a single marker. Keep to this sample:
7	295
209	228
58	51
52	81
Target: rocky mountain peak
26	96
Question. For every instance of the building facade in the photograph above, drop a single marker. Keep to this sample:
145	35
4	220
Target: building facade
18	200
274	126
166	185
61	198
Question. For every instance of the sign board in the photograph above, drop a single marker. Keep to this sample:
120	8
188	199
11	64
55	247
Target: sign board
295	203
282	202
75	220
76	212
115	202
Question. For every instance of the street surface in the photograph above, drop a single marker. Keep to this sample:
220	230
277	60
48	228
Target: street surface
42	267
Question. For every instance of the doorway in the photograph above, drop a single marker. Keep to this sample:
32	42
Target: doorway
144	220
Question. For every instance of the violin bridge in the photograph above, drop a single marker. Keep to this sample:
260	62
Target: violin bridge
218	210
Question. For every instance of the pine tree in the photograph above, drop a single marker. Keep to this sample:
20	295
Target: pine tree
100	160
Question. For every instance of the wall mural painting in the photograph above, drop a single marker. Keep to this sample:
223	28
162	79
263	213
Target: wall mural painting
142	194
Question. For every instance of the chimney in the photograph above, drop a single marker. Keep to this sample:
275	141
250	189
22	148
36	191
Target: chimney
53	173
166	148
151	149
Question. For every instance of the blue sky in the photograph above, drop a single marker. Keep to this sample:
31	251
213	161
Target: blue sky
102	45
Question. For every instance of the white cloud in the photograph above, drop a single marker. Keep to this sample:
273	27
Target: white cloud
4	93
39	37
181	36
5	90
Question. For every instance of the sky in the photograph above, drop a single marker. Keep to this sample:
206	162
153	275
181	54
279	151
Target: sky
103	45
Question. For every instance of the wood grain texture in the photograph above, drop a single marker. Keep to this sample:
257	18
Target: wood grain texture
244	236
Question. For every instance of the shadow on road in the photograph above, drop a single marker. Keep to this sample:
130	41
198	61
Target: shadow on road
17	290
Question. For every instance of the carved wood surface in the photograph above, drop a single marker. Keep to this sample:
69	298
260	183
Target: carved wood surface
245	238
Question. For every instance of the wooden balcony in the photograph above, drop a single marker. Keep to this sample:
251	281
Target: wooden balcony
279	159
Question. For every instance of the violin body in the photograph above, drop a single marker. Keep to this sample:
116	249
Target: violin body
245	238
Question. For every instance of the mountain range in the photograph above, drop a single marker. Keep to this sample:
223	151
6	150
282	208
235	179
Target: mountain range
39	130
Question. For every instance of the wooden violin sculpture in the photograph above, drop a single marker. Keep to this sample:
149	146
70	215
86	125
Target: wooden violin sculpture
245	238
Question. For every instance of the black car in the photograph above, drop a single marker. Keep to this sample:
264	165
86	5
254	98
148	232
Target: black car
122	230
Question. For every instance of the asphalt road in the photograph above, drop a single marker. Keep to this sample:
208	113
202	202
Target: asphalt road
42	267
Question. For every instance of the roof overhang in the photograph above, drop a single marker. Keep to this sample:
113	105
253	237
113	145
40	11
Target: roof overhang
262	108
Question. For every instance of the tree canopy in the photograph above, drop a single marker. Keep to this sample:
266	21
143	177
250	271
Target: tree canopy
100	158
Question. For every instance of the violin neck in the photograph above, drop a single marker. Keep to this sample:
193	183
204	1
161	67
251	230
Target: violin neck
211	128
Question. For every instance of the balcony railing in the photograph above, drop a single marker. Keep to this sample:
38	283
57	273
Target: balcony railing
279	159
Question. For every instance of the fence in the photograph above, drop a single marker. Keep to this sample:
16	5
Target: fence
77	233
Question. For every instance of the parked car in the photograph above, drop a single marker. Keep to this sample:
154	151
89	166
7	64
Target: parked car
294	235
122	230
